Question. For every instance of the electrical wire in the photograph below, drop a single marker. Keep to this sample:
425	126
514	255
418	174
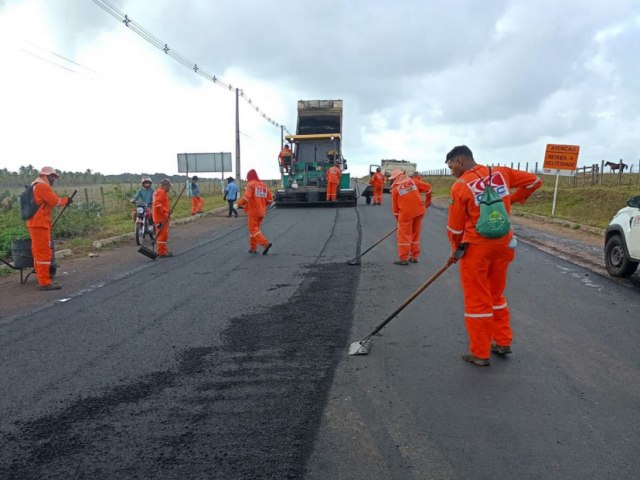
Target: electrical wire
156	42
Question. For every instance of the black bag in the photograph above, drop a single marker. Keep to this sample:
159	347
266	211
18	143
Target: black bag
28	205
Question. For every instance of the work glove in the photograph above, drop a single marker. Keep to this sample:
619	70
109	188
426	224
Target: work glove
69	201
225	197
236	206
457	254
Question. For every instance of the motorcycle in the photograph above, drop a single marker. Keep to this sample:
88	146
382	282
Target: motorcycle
144	224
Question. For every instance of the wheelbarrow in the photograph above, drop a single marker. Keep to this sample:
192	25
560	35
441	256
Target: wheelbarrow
23	259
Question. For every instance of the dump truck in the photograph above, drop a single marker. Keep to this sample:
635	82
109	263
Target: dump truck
316	147
386	167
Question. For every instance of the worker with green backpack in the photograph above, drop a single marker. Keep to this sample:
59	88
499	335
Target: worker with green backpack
479	208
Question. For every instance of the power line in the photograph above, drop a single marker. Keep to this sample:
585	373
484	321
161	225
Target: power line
156	42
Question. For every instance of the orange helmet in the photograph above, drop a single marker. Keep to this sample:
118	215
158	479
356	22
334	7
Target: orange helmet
46	171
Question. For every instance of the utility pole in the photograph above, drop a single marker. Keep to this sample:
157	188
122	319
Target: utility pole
281	136
238	173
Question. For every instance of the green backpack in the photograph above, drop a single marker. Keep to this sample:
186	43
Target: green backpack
494	219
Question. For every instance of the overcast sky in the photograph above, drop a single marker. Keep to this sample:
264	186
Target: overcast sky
81	91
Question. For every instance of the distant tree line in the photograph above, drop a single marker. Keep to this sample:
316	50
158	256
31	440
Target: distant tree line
26	174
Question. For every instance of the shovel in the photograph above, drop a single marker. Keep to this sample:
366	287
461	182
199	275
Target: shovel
356	261
151	252
363	346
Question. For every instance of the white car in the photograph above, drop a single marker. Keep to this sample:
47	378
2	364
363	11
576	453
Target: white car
622	240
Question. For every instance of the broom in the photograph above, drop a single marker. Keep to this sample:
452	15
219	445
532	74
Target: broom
151	252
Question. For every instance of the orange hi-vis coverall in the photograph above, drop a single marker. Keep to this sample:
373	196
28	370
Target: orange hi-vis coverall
160	213
423	187
39	227
483	268
377	182
333	180
409	210
284	158
255	200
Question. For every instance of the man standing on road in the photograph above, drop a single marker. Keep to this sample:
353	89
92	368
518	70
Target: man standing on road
409	211
231	195
483	268
196	200
39	226
333	180
377	183
161	210
255	200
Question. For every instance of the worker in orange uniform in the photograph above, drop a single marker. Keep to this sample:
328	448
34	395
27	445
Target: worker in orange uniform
285	157
483	268
409	210
196	200
161	211
377	182
333	180
255	201
423	187
39	226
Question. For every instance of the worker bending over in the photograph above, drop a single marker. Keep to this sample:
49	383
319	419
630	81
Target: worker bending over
255	200
409	210
377	183
161	213
483	268
39	226
284	158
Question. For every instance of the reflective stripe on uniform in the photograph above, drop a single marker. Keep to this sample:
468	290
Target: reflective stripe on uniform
257	233
44	263
478	315
455	232
498	307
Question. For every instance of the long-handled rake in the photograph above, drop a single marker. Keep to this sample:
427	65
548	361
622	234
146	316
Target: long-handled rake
54	267
151	252
363	346
356	261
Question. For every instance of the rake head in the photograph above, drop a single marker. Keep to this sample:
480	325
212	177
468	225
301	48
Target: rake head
148	252
360	348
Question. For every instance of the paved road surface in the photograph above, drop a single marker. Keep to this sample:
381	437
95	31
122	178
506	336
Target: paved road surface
221	364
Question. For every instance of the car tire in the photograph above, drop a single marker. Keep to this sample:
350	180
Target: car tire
616	260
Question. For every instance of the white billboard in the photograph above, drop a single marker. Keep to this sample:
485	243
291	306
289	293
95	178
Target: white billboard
204	162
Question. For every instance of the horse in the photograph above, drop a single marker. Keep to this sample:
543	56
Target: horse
614	166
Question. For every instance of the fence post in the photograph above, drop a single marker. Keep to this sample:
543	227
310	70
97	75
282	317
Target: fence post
620	172
526	167
86	195
601	171
104	207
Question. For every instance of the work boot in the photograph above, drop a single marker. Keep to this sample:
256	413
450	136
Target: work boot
266	249
481	362
166	255
500	349
253	251
413	260
51	286
401	262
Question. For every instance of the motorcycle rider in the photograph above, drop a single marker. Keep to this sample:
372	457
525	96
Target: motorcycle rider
143	196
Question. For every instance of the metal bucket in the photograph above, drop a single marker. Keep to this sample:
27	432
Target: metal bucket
21	253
